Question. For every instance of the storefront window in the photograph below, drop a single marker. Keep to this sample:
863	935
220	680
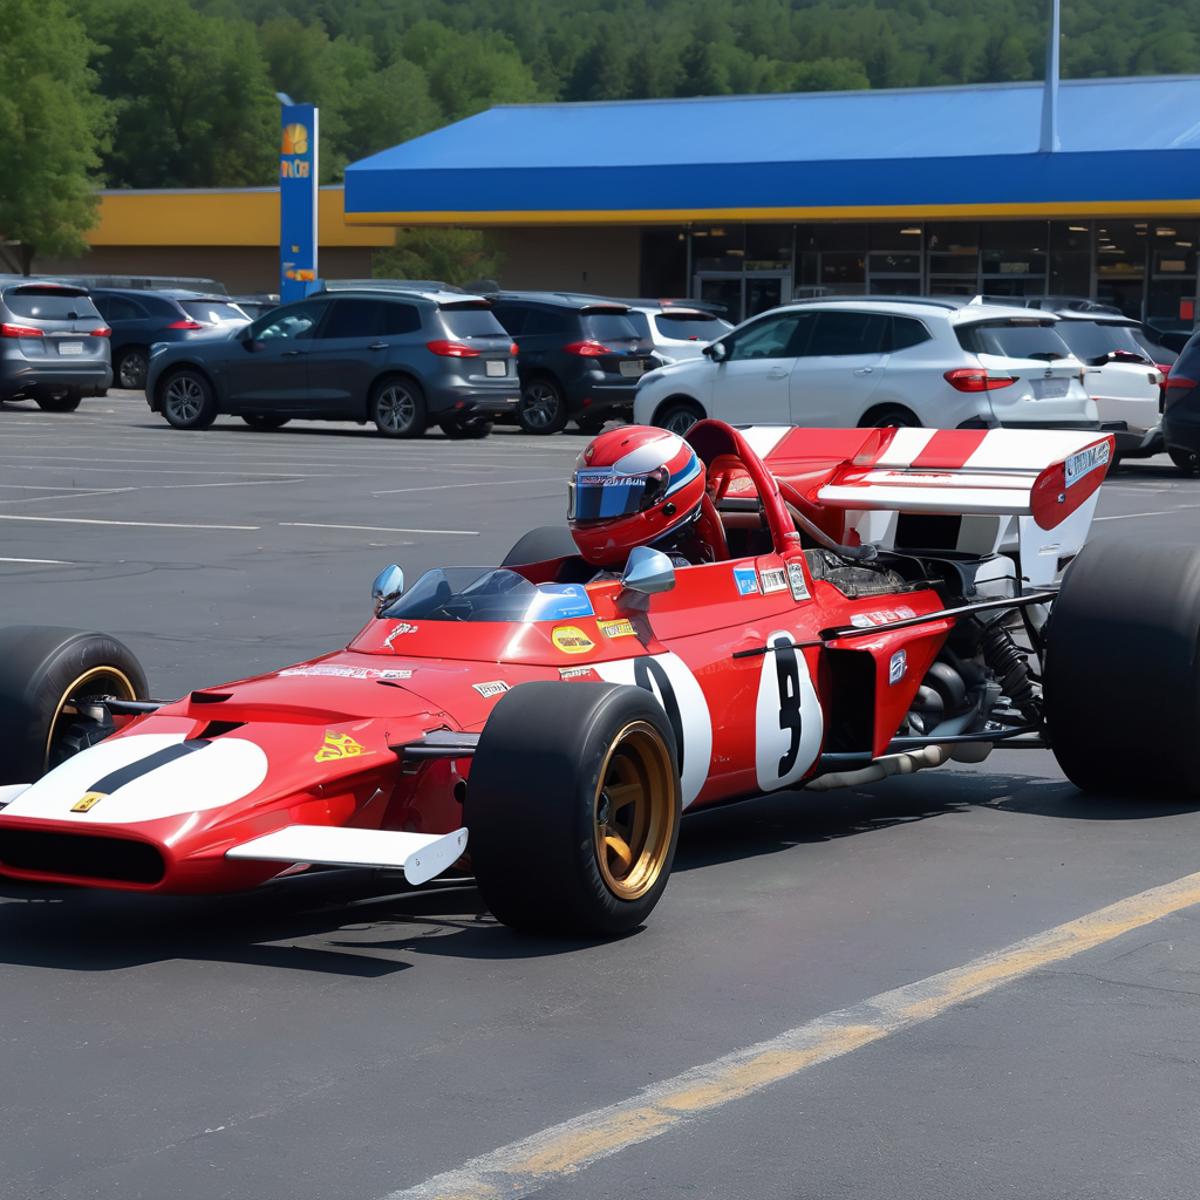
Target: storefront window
718	247
664	262
1121	250
768	247
1071	258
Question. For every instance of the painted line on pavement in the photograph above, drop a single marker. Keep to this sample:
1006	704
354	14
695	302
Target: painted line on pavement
1161	512
559	1152
45	562
377	528
443	487
137	524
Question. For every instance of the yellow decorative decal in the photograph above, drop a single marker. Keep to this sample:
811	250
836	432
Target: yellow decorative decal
572	640
617	629
89	801
337	745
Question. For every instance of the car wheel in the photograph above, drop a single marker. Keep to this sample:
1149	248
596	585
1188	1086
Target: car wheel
398	408
587	852
542	408
44	674
678	416
264	422
590	425
131	370
458	431
1188	461
188	401
1122	671
890	418
59	402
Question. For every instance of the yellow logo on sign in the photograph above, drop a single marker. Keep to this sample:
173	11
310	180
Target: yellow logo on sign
337	745
616	629
88	802
295	140
572	640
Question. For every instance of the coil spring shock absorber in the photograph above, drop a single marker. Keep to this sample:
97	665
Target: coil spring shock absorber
1011	666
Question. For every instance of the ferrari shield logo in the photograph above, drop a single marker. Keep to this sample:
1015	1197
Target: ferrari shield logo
337	745
87	802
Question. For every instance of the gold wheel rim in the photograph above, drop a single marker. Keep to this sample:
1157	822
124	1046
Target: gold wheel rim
634	811
98	681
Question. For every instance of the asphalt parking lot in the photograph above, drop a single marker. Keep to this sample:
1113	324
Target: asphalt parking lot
335	1038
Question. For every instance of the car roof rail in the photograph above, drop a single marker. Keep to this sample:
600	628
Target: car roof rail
930	301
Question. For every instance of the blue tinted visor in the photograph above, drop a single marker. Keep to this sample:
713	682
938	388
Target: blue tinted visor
599	494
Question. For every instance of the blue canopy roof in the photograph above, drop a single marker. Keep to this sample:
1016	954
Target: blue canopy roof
1127	144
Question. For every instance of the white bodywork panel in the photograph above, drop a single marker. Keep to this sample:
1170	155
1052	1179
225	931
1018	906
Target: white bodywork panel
420	855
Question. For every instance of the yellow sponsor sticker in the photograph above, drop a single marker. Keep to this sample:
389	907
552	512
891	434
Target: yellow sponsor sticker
617	629
570	639
88	802
337	745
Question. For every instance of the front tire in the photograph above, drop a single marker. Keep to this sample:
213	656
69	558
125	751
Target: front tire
458	431
44	671
542	408
188	401
398	408
678	416
1188	461
1122	682
891	417
264	422
131	369
573	807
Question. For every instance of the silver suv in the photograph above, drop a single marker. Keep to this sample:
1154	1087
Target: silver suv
54	345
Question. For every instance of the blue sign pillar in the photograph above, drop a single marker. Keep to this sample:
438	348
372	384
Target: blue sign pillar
297	201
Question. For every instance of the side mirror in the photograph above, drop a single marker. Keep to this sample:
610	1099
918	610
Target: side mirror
717	351
388	586
646	573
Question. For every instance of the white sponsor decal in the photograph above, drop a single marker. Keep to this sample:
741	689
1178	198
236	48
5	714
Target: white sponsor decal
773	579
882	616
797	582
578	673
897	667
402	628
1085	462
333	671
787	716
495	687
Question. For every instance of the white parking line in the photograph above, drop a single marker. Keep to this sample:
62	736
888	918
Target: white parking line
377	528
43	562
1161	512
137	524
441	487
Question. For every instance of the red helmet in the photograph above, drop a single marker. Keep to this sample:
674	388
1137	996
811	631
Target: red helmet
632	486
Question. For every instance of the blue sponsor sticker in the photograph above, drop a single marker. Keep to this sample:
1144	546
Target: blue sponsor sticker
564	600
746	579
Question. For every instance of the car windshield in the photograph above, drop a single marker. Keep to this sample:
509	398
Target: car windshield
213	312
1018	339
1096	341
691	327
488	594
471	321
50	304
609	326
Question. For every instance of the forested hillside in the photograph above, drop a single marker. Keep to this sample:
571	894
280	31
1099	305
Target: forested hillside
191	84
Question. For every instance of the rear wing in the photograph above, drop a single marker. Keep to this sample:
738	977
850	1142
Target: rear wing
994	487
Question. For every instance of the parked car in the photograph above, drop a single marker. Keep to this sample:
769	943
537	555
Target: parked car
876	361
1181	409
580	357
256	305
677	329
54	344
140	318
400	359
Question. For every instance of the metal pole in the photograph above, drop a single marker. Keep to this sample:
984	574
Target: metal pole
1050	142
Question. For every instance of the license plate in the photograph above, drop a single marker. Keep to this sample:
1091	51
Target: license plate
1051	389
634	368
70	347
496	366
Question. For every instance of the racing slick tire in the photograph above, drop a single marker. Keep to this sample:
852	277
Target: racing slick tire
573	808
265	422
398	407
1122	670
458	431
188	400
542	408
44	669
59	402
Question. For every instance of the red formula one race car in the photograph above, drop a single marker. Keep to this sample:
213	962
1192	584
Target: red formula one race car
856	615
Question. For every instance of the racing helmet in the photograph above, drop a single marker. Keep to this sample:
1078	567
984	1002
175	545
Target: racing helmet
632	486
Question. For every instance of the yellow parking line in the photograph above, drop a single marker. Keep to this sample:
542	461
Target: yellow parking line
523	1167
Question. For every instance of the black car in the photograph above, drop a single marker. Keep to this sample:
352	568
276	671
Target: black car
1181	409
140	317
400	359
580	357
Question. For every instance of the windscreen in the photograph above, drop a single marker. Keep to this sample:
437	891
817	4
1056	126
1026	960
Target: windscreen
640	322
609	327
1094	341
691	327
488	594
49	304
1018	339
212	312
1162	355
473	321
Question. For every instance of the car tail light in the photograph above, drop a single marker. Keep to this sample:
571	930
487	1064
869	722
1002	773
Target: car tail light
186	324
514	349
587	349
1181	382
102	331
15	331
971	379
451	349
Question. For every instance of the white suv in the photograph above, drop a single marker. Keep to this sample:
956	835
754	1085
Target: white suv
889	362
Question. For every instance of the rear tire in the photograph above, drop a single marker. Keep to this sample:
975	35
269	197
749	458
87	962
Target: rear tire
573	807
1122	683
1188	461
458	431
398	408
131	369
678	416
42	669
67	401
891	417
265	423
542	408
188	401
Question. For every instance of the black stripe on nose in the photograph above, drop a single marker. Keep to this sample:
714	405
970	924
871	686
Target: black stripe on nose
118	779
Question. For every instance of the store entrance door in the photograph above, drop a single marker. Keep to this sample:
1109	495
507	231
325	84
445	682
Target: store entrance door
743	294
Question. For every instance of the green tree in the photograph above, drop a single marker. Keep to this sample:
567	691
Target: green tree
456	256
52	127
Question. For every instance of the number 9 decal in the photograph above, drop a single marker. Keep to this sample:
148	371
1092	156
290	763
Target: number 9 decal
787	718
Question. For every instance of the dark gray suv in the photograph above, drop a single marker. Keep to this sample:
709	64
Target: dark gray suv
400	359
54	345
